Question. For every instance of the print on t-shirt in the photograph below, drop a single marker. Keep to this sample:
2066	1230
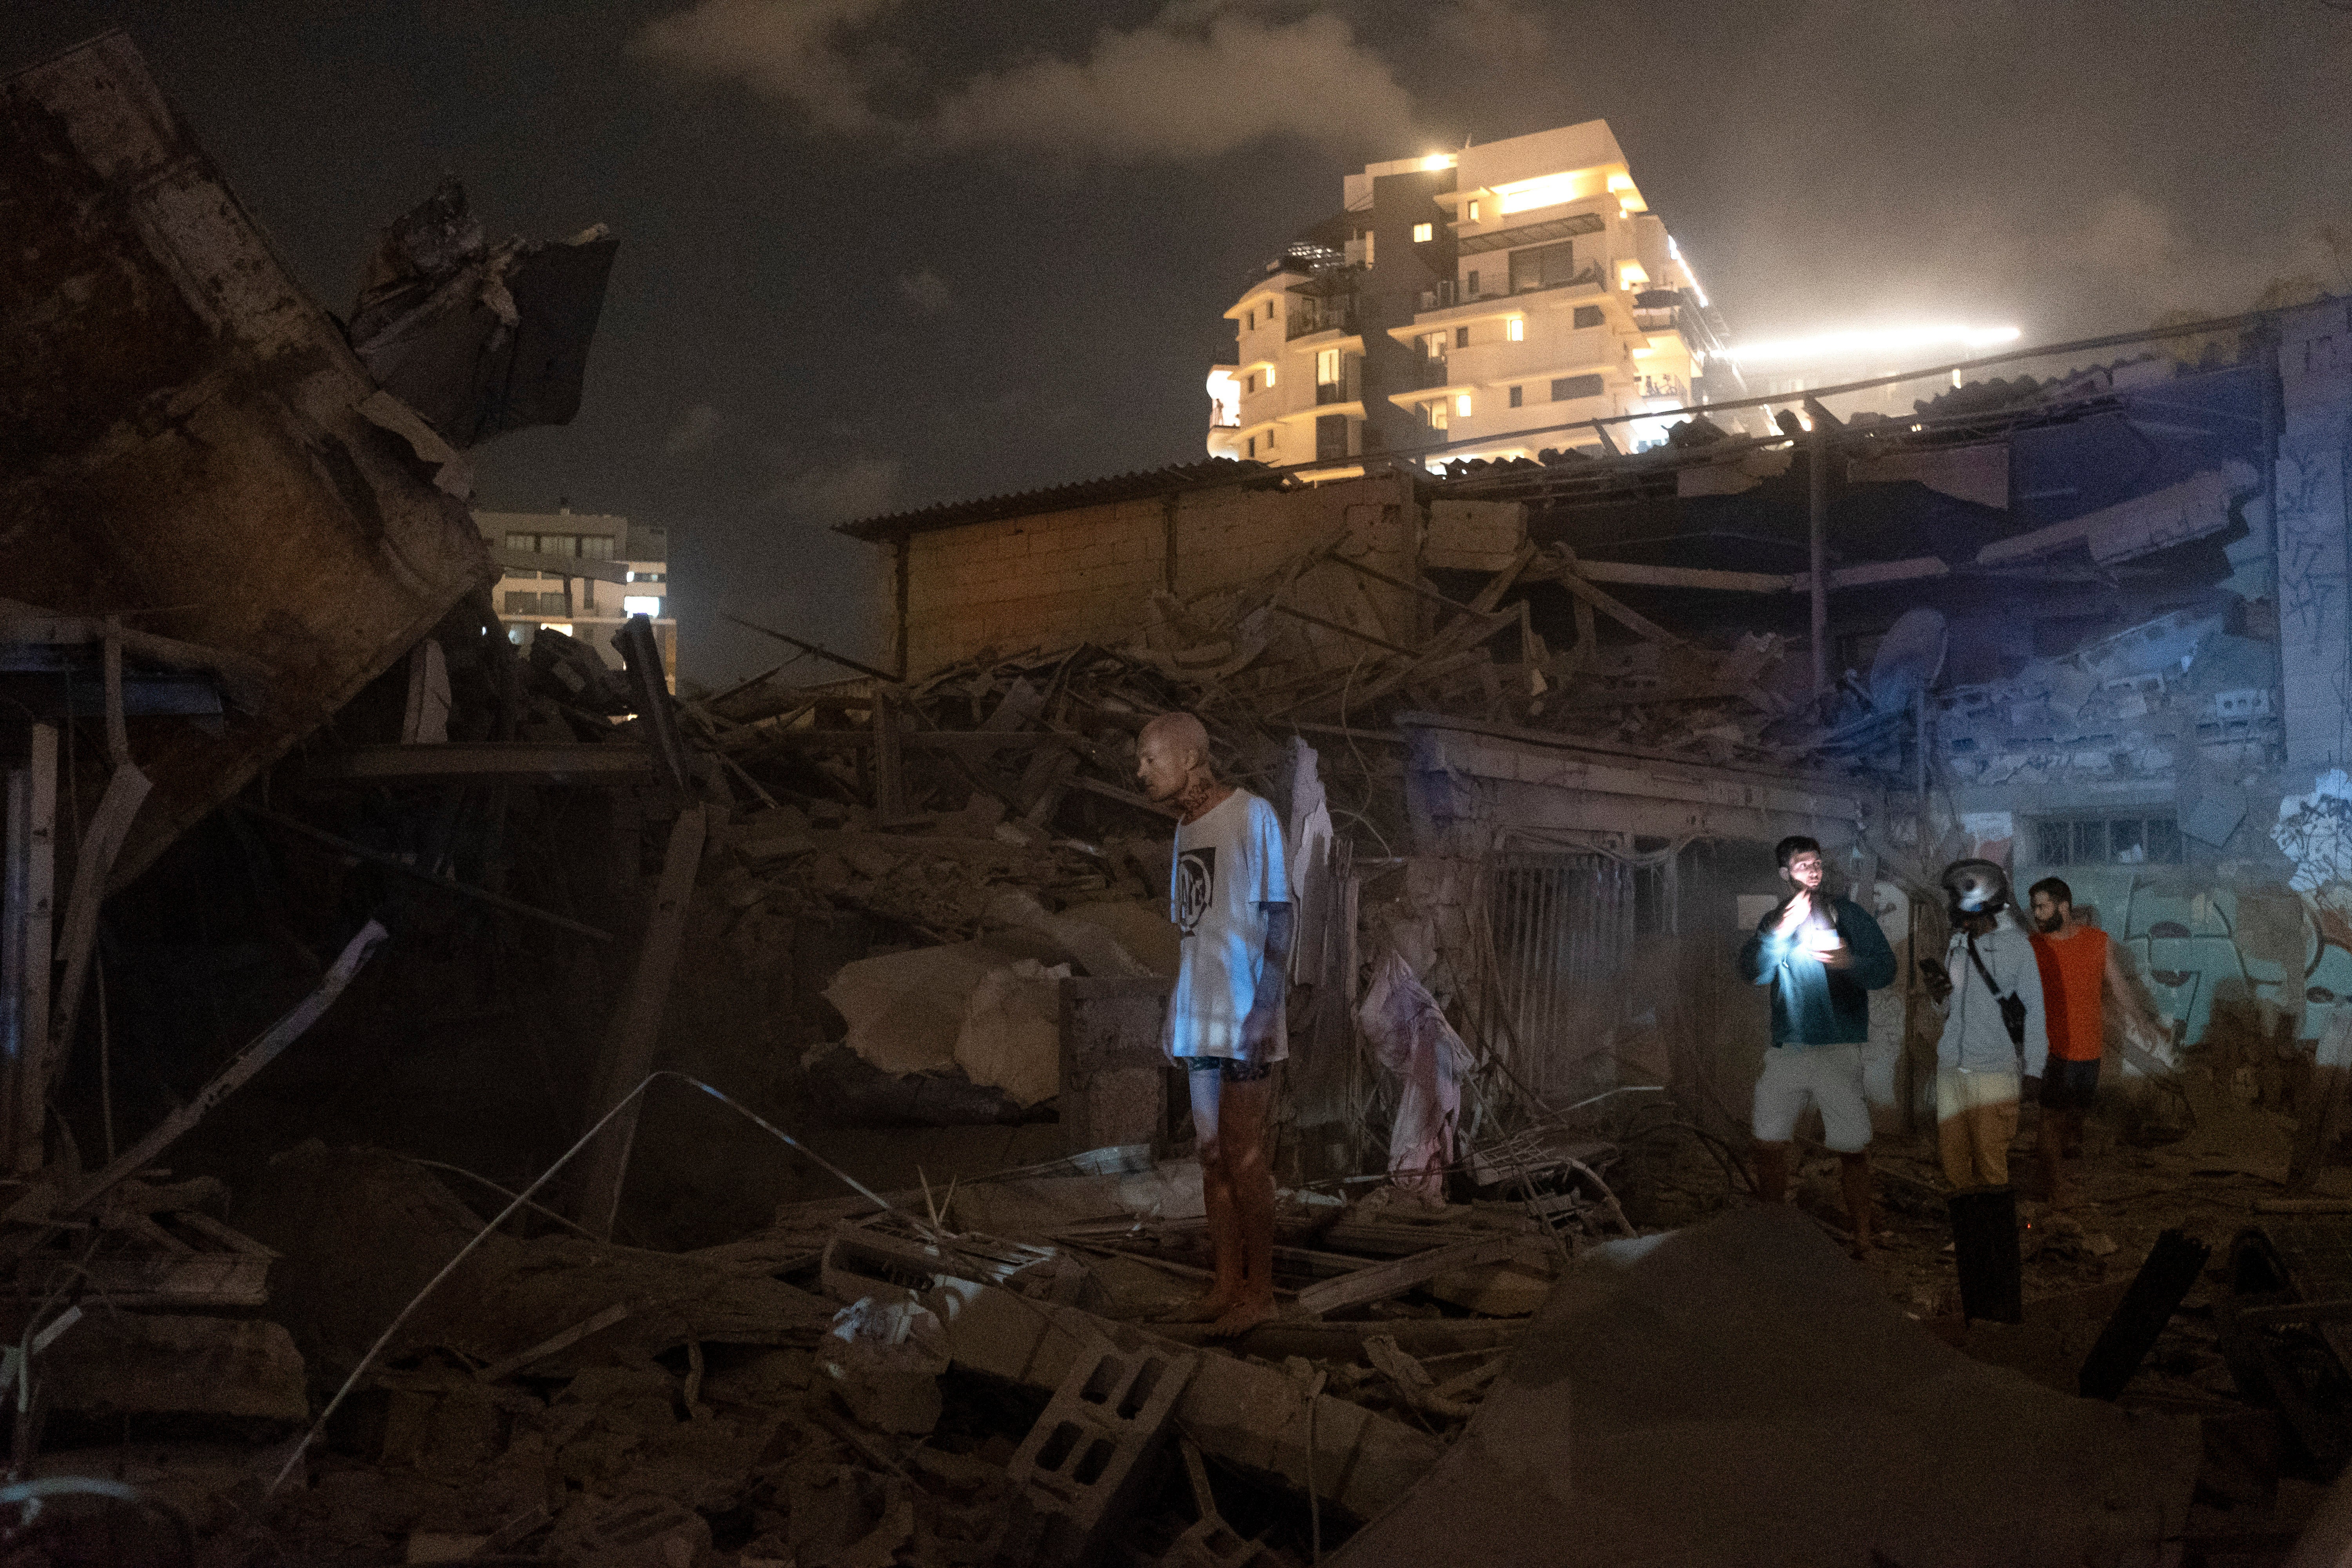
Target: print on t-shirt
1196	885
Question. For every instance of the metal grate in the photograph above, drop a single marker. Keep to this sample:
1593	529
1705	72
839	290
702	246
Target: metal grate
1564	925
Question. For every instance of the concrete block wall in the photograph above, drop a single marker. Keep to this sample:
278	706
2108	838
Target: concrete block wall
1054	579
1088	574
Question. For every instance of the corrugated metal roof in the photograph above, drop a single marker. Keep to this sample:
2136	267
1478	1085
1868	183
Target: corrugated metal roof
1137	486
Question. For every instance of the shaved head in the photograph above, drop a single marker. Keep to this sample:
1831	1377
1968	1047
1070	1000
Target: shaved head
1178	732
1172	759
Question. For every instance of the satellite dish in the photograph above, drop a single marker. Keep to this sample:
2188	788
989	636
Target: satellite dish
1909	659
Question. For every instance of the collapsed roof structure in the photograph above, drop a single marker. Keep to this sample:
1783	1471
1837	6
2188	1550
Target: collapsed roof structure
585	962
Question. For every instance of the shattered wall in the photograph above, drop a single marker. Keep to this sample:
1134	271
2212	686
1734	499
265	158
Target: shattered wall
181	434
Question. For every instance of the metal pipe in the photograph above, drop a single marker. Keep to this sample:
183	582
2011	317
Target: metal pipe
1817	464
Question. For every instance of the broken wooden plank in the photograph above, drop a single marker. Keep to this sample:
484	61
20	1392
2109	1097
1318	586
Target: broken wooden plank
1344	631
447	884
628	1050
173	1279
482	759
1642	575
1571	578
1125	797
263	1050
245	682
1387	1279
500	1371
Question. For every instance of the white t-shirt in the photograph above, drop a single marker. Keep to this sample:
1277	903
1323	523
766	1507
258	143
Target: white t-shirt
1228	864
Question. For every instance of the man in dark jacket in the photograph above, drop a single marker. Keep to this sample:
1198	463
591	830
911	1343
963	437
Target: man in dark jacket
1822	956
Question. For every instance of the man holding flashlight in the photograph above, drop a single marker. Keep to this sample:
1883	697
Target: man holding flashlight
1823	955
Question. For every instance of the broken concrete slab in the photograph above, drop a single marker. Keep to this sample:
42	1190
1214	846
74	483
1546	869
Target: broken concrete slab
1011	1033
136	1363
1744	1394
1048	1205
906	1010
179	429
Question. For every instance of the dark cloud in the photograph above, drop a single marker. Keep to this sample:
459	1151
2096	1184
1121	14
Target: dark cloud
1200	79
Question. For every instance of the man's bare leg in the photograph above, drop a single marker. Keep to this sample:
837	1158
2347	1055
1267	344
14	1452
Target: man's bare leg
1854	1174
1772	1173
1209	1089
1250	1193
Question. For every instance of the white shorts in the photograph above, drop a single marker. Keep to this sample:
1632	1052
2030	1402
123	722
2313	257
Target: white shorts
1826	1076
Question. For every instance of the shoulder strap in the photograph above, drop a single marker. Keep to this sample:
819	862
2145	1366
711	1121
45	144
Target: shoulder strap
1978	959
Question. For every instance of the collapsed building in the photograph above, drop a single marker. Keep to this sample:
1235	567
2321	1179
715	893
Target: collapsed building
729	1127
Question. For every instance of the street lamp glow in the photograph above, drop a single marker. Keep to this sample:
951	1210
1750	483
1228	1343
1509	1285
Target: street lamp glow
1865	342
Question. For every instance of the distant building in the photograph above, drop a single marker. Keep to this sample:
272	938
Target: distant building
1467	305
581	576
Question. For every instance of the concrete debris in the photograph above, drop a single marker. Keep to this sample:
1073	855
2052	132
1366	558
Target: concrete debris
144	1364
479	338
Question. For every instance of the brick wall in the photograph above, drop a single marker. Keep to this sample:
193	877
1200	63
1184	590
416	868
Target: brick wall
1088	574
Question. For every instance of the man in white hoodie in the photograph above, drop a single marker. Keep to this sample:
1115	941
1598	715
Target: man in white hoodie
1996	1039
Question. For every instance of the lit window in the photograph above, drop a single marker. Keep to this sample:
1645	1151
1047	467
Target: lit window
564	626
1433	414
1474	212
1269	375
1462	405
1329	367
641	605
1423	233
1516	329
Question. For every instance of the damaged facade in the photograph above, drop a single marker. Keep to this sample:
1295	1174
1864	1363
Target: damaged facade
520	1107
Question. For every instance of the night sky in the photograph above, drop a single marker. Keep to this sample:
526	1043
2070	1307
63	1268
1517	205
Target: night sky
880	253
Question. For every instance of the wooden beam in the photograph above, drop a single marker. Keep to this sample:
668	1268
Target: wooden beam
1642	575
447	885
1344	631
483	759
1573	580
1387	1279
628	1052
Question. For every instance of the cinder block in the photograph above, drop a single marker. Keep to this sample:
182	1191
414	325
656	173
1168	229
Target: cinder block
1212	1543
1079	1469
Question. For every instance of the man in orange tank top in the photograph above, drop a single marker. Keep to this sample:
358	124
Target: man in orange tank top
2079	968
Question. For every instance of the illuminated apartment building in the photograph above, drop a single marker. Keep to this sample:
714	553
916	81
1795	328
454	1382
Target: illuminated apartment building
1467	305
581	576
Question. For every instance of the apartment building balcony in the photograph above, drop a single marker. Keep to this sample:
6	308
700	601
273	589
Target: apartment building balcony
1427	372
1309	316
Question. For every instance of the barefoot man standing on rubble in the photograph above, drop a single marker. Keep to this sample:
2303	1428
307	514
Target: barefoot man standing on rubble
1822	956
1230	898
